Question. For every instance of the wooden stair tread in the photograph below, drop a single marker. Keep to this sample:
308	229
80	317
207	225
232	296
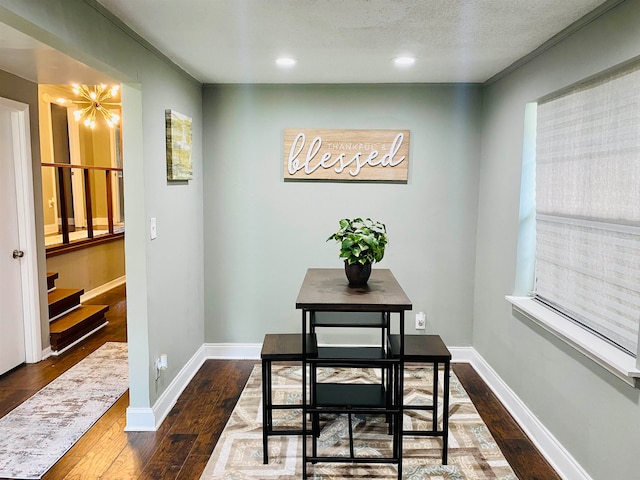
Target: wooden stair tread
61	293
51	280
76	317
63	300
70	321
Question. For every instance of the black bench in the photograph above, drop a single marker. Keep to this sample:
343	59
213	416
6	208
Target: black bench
280	347
428	349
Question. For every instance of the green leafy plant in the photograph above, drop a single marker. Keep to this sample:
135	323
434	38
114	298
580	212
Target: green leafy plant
361	241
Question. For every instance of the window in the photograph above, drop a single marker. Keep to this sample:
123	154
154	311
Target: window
588	206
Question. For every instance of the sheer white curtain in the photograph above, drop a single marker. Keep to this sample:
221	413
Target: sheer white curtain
588	206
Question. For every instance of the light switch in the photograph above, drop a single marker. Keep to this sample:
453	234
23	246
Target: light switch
153	228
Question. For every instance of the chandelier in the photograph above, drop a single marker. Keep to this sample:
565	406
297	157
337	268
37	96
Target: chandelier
94	101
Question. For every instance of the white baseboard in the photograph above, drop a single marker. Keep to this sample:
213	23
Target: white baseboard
149	419
462	354
140	419
103	288
559	458
46	353
233	351
169	397
251	351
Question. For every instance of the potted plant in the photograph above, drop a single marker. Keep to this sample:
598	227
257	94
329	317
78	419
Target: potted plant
362	242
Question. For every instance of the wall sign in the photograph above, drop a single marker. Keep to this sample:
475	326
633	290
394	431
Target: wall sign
178	133
346	155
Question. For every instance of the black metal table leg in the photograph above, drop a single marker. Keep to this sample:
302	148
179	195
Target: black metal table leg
434	412
445	414
304	394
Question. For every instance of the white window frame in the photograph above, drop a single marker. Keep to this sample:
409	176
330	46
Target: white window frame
621	364
600	351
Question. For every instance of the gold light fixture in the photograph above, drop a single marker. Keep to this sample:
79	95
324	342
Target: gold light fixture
94	100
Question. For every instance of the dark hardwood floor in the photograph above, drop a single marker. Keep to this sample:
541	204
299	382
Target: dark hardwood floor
181	447
20	383
525	459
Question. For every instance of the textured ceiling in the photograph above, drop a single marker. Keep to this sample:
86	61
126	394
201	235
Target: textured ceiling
334	41
347	41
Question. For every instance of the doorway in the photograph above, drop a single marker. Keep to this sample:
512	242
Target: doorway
20	322
82	168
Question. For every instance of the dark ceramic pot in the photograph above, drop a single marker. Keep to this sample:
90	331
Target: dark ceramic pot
357	273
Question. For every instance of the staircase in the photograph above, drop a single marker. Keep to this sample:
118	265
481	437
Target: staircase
69	320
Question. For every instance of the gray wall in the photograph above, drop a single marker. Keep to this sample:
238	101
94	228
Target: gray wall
593	414
261	233
164	276
453	227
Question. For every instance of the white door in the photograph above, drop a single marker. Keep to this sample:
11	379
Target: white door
12	341
20	327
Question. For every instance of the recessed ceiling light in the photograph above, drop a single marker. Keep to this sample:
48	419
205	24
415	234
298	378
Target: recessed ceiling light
404	61
285	62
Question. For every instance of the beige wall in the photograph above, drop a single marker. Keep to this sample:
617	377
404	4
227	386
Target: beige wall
89	268
46	149
49	200
95	148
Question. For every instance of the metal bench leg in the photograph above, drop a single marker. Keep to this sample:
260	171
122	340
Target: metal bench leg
351	449
266	409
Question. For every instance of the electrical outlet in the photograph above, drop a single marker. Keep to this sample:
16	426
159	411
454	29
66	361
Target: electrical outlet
161	364
421	321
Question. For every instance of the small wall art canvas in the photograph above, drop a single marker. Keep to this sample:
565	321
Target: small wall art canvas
179	164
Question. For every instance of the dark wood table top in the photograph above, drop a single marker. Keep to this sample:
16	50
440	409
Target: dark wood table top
327	289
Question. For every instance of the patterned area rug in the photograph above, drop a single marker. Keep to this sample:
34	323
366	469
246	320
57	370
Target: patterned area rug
473	453
38	432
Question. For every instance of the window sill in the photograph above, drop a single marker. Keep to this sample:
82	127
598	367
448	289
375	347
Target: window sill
607	356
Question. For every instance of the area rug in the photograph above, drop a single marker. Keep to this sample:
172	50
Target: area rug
473	453
37	433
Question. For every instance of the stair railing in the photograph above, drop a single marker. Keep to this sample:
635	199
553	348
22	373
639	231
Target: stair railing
63	187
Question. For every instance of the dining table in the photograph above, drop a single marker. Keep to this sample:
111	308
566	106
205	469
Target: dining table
327	301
